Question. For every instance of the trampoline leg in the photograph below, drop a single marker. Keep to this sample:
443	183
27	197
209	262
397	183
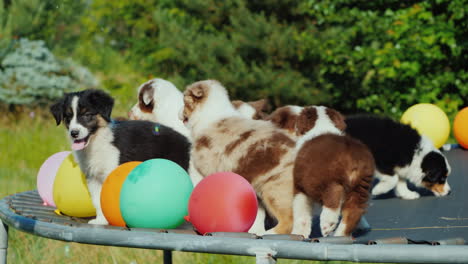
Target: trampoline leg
3	242
167	256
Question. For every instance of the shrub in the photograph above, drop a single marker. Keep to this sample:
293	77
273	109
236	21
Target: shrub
31	75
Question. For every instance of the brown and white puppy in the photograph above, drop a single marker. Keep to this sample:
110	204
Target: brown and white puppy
160	101
224	140
256	110
331	168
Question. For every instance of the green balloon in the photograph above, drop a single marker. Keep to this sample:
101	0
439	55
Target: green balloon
155	195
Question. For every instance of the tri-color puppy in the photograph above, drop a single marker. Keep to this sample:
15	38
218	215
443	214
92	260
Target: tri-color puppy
100	145
331	168
224	140
401	154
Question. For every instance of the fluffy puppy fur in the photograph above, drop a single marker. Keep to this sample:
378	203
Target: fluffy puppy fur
331	168
100	145
224	140
160	101
401	154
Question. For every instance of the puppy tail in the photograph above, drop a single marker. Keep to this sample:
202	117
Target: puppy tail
355	205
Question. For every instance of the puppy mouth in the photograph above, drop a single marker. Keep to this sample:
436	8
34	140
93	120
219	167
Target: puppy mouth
79	144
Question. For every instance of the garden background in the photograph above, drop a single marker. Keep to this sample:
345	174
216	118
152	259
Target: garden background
355	56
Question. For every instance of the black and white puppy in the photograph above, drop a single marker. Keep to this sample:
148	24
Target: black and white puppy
400	154
100	144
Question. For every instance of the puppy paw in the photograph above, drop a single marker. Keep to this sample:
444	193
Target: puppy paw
378	190
328	220
409	195
257	230
98	221
271	232
327	227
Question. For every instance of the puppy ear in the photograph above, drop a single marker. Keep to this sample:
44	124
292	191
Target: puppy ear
146	93
57	110
306	120
198	90
147	97
237	103
337	118
260	105
282	118
102	102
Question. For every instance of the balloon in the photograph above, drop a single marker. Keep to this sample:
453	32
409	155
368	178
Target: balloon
46	176
110	193
71	193
223	202
155	195
428	120
460	127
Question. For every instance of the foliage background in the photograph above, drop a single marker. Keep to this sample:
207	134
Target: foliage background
356	56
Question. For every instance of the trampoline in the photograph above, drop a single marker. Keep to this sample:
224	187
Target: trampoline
428	230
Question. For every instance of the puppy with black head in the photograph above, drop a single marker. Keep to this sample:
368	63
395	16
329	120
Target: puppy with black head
401	154
100	145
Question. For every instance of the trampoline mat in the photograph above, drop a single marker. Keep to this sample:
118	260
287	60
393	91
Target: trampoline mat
426	218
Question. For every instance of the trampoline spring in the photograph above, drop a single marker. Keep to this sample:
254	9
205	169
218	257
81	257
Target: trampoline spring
450	241
333	240
284	237
391	240
233	235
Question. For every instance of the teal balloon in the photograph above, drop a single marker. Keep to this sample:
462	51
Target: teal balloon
155	194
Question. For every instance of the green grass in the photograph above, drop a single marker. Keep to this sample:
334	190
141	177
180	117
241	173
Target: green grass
26	143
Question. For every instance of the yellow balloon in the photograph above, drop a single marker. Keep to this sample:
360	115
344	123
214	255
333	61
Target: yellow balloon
70	190
428	120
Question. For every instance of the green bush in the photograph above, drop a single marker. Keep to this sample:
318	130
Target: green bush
386	56
31	75
356	56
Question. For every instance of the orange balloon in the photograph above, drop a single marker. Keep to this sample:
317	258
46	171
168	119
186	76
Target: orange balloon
110	193
460	127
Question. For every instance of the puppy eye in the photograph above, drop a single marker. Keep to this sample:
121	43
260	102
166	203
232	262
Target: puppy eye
88	116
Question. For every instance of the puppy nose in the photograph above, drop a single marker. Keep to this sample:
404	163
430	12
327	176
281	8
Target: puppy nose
74	133
449	192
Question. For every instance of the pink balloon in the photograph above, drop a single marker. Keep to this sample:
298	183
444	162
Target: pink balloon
46	176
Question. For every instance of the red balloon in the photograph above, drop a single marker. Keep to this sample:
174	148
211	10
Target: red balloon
222	202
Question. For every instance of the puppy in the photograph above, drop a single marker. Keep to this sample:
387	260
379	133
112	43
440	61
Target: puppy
160	101
224	140
100	145
331	168
401	154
